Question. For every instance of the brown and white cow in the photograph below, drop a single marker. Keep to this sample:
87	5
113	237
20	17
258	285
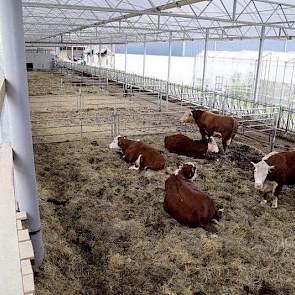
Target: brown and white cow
185	203
144	156
213	124
183	145
273	172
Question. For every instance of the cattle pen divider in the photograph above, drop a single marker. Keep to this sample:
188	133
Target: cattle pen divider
264	119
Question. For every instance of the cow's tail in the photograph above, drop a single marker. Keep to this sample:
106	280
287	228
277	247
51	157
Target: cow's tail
235	128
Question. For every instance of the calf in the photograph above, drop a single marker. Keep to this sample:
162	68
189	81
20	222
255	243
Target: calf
183	145
144	156
273	172
213	124
185	203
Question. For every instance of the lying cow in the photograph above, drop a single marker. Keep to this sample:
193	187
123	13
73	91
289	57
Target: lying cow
185	203
212	124
274	171
183	145
144	156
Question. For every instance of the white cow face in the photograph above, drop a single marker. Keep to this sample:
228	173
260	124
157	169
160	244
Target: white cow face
114	143
260	173
187	117
189	171
212	146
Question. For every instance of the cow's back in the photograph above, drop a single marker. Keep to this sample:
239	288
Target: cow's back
133	151
219	123
186	204
151	158
183	145
177	142
284	171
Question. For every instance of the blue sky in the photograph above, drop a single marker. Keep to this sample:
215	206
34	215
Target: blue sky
161	48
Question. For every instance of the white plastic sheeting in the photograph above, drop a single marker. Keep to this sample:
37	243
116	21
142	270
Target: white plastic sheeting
101	21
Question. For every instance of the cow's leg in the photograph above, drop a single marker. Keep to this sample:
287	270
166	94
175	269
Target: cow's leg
277	191
224	144
136	165
133	167
274	203
203	133
264	201
226	140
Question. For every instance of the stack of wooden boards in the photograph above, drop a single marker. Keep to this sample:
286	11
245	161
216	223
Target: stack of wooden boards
16	251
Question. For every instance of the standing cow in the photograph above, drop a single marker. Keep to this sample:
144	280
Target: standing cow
183	145
185	203
213	124
144	156
274	171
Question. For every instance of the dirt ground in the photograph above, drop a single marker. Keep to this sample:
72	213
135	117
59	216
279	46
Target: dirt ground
106	232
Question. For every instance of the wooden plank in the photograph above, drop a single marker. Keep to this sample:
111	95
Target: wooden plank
19	225
28	282
2	91
23	235
26	267
26	250
21	215
10	269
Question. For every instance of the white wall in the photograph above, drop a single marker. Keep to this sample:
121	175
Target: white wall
40	59
182	67
228	65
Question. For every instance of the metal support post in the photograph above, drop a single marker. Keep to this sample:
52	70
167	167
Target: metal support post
114	56
258	69
13	51
205	60
234	10
169	69
143	62
72	53
125	64
183	48
194	71
275	128
99	61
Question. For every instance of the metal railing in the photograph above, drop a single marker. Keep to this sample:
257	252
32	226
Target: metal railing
214	100
261	117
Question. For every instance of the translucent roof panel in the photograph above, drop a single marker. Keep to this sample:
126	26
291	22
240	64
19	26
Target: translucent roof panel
120	21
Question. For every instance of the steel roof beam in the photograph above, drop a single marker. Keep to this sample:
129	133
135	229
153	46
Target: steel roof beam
77	7
55	43
156	11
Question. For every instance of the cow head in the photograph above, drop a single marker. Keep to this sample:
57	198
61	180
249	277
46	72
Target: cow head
197	114
212	146
117	142
187	170
260	173
187	117
114	143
